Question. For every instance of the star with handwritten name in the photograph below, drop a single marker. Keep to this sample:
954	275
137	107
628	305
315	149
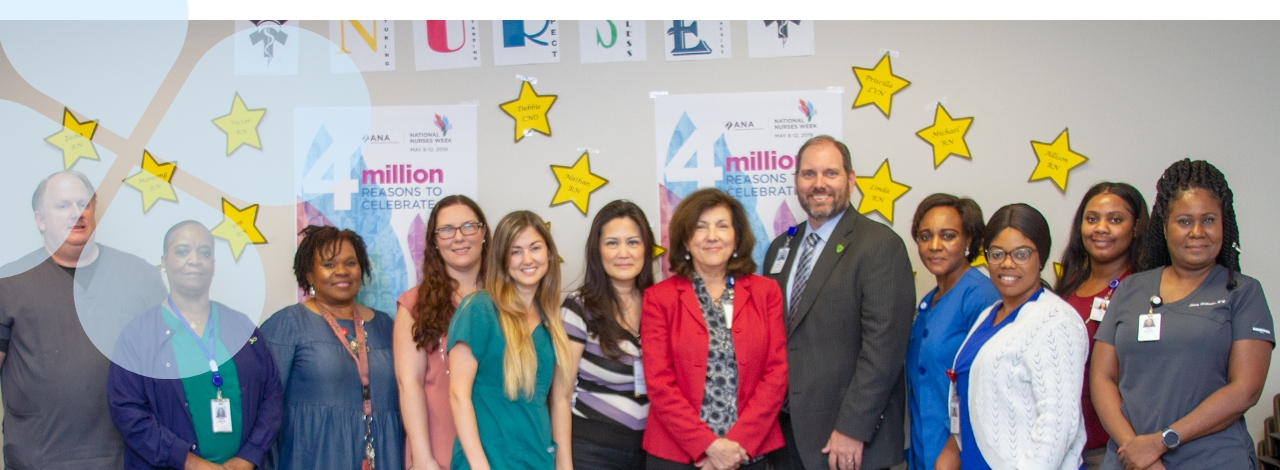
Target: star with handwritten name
75	139
239	227
576	183
878	85
529	111
241	125
879	192
946	135
1055	160
153	181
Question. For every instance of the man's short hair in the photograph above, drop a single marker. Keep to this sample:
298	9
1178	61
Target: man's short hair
844	151
37	198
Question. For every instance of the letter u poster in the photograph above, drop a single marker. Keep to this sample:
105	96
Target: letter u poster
743	144
379	171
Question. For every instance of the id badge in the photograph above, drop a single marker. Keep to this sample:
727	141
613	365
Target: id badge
1099	309
1149	327
953	410
780	261
637	373
221	411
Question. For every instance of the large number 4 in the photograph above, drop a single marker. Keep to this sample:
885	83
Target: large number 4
331	173
704	170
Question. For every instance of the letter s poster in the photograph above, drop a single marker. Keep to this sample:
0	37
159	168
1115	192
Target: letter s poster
379	171
743	144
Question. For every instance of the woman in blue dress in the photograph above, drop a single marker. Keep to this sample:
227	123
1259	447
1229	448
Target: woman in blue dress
341	402
948	235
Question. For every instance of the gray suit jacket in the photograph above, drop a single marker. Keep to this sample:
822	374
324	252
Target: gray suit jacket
847	342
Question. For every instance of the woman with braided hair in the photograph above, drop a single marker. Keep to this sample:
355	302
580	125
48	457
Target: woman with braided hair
1185	346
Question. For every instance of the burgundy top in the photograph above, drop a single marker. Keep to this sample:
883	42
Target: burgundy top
436	385
1096	434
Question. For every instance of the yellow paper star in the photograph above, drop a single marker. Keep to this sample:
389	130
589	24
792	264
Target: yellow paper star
74	139
548	225
1055	160
239	227
946	135
153	181
658	250
981	260
241	125
879	192
1057	269
576	183
878	85
529	111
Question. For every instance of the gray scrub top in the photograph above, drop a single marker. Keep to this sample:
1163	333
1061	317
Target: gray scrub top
1162	381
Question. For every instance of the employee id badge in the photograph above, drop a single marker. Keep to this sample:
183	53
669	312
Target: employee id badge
1149	327
637	374
221	410
953	410
1099	309
780	261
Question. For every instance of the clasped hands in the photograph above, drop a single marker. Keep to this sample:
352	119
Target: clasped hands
1142	453
723	454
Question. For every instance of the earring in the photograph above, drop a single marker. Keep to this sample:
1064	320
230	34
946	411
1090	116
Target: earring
1236	246
312	291
735	254
966	251
686	257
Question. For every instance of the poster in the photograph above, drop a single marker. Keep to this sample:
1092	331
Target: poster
266	47
440	44
743	144
612	41
779	38
696	40
519	42
370	44
379	171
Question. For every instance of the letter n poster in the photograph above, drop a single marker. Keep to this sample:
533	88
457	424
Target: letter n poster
379	171
743	144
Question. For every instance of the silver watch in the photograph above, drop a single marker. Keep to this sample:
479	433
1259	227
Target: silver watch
1170	438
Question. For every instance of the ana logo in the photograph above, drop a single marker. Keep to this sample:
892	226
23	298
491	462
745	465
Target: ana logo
442	123
438	36
806	108
268	35
514	35
782	28
740	126
378	139
678	31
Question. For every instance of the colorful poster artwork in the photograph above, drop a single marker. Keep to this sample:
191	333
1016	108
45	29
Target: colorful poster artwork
441	45
266	47
519	42
379	171
369	44
612	41
696	40
779	38
743	144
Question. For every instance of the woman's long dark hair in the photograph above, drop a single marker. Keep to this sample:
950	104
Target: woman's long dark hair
435	294
601	308
1075	260
1181	176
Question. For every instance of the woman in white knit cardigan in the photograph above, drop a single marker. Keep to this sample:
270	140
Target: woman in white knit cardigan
1015	396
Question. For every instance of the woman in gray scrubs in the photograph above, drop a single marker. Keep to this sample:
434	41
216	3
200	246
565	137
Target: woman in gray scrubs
1185	346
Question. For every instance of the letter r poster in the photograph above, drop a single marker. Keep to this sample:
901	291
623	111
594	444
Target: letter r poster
743	144
379	171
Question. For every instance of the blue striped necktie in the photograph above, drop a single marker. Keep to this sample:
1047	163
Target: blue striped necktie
802	273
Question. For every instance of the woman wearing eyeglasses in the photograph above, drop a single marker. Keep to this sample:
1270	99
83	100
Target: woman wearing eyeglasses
452	268
1015	400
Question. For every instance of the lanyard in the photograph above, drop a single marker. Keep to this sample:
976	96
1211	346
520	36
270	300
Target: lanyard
360	353
207	350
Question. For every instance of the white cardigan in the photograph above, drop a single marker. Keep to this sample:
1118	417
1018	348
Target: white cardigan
1024	388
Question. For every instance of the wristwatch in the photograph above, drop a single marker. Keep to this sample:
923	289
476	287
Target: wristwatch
1170	438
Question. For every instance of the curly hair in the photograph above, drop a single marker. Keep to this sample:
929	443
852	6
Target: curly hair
601	307
435	307
1075	260
1181	176
325	242
684	221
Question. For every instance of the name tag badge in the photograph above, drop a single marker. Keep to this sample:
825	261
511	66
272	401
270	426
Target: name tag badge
1099	309
953	410
638	376
1149	327
780	261
221	410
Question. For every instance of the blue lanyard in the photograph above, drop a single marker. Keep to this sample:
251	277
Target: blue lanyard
207	350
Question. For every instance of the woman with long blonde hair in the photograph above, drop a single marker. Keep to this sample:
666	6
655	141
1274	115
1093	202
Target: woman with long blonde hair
504	352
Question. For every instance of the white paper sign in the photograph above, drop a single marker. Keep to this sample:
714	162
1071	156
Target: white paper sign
370	44
697	40
440	44
519	42
612	41
779	38
266	47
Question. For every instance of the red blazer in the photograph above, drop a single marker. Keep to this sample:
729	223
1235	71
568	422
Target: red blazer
674	337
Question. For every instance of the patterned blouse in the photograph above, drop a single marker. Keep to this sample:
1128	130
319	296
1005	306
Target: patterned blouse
720	398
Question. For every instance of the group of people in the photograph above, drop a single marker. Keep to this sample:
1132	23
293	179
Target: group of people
815	360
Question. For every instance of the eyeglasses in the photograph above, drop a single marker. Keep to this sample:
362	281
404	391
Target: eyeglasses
467	229
1020	256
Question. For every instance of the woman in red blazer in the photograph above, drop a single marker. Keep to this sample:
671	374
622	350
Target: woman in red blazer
713	345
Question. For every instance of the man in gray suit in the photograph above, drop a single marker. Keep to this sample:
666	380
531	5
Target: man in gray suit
850	299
